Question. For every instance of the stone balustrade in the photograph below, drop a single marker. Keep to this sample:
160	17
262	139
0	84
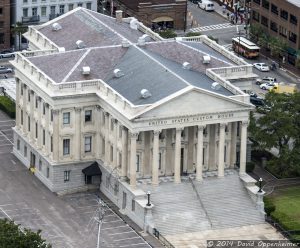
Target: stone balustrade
149	32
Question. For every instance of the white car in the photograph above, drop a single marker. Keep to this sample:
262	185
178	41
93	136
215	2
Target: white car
267	86
261	66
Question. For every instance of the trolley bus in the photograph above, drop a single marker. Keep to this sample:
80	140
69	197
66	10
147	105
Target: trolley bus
245	47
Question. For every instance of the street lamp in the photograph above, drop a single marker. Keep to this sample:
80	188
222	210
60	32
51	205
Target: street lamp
148	195
260	182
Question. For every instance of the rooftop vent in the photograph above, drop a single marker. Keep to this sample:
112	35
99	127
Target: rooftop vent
61	49
119	15
118	73
80	44
145	93
215	86
134	24
141	41
86	70
186	65
125	43
146	37
206	59
56	26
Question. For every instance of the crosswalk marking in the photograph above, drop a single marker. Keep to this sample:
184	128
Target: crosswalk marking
212	27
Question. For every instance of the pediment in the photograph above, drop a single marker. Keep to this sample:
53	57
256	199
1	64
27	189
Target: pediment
193	102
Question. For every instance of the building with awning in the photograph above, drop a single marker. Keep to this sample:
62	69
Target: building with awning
91	171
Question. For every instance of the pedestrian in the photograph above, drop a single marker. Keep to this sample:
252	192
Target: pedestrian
228	16
224	9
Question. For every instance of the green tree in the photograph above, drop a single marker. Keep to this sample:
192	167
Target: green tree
279	128
12	237
167	34
17	31
256	31
191	34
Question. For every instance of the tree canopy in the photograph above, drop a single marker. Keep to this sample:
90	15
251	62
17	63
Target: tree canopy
279	127
11	236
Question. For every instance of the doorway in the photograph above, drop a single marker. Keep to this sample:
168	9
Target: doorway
32	160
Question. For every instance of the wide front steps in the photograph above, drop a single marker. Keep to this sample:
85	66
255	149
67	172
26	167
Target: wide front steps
177	209
227	202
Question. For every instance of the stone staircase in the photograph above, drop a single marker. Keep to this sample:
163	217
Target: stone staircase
177	209
227	202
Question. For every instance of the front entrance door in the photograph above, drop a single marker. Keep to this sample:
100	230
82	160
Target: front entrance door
181	161
88	179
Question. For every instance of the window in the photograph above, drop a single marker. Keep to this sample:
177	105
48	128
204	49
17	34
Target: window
51	115
28	123
18	145
22	90
139	138
36	102
25	12
120	131
44	137
66	118
89	5
111	153
284	14
48	172
79	5
257	1
133	205
292	37
36	130
71	6
264	21
88	144
67	176
293	19
44	108
21	117
137	163
273	26
225	148
25	151
51	144
274	9
43	11
112	124
25	1
66	146
88	115
266	4
282	31
40	165
52	10
1	24
34	12
28	95
2	38
34	1
1	11
61	9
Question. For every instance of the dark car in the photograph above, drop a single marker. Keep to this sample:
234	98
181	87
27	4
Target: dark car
7	54
195	1
257	101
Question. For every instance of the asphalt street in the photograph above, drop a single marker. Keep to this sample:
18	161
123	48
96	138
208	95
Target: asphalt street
66	222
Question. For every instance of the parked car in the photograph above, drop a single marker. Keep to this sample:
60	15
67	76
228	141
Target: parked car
4	70
261	66
7	54
260	81
267	86
257	101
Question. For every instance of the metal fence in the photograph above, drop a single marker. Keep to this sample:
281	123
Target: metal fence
162	239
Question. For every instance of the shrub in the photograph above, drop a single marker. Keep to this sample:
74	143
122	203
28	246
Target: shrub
250	166
167	34
190	34
8	106
269	206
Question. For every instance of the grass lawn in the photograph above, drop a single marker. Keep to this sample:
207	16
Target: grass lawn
287	213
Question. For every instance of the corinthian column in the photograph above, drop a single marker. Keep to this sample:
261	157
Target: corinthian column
199	153
221	150
243	148
155	158
133	139
177	178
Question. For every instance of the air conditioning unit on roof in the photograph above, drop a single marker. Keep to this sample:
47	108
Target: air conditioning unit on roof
56	26
206	59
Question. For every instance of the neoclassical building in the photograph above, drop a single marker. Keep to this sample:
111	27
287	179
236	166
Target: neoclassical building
112	101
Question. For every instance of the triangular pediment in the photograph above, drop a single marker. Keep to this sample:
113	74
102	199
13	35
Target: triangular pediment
193	102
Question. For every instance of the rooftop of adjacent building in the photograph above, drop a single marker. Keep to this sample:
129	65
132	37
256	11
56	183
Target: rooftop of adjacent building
294	2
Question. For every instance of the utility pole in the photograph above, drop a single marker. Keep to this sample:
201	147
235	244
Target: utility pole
99	218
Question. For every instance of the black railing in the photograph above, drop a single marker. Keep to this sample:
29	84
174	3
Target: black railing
31	19
162	239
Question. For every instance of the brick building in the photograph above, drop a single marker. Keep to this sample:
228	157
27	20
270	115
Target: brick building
280	19
4	24
165	13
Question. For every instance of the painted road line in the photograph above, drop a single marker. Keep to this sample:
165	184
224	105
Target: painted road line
13	162
6	137
5	214
112	234
136	237
108	228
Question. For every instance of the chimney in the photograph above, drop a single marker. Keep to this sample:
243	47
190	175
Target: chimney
119	15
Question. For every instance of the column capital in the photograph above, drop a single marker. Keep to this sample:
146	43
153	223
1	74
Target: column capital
55	111
223	125
78	109
134	135
98	108
245	123
124	128
156	132
179	129
201	127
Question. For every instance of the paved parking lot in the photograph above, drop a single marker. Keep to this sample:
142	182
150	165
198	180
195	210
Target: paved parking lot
66	222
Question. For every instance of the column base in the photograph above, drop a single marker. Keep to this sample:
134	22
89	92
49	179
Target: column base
177	181
155	184
200	179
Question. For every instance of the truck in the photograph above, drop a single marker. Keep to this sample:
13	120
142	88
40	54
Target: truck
206	5
284	88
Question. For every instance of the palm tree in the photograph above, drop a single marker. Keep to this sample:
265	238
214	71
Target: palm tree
17	32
